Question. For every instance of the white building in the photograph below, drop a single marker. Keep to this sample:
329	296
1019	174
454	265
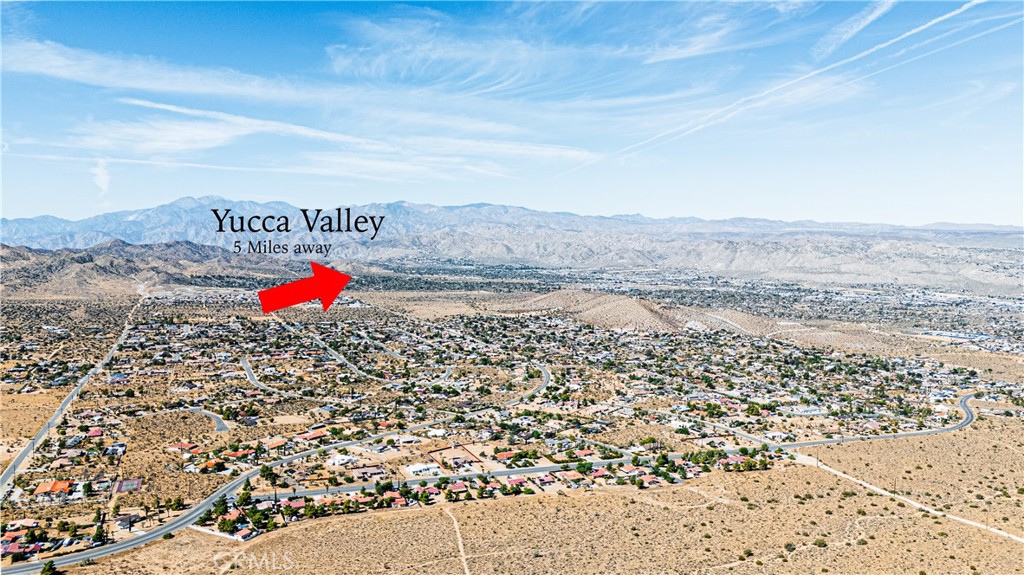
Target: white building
340	460
418	469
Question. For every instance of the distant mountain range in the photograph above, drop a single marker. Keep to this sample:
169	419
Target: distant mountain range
984	258
190	219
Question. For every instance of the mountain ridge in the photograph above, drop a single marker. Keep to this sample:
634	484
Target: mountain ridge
192	202
984	259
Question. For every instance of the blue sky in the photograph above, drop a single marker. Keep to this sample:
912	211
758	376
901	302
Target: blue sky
898	112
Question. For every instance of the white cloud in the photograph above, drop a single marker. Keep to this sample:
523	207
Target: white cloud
845	31
416	53
101	176
156	136
247	125
724	113
499	148
346	155
698	45
148	74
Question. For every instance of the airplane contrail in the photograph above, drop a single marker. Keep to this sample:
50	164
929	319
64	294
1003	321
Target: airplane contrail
928	53
738	106
844	84
845	31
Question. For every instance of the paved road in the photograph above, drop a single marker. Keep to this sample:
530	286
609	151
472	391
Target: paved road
546	374
443	377
330	351
220	426
256	382
384	348
354	488
190	516
967	420
180	522
546	379
7	478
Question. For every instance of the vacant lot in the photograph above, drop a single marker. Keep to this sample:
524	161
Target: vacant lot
21	416
705	526
161	471
974	473
433	305
627	433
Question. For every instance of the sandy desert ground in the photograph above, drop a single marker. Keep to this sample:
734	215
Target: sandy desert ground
21	416
432	305
973	473
791	519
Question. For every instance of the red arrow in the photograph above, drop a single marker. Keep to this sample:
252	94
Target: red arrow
325	284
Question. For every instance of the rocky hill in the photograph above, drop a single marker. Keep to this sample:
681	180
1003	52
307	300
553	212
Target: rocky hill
118	266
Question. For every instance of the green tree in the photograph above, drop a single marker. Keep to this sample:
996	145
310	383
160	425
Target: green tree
244	499
220	506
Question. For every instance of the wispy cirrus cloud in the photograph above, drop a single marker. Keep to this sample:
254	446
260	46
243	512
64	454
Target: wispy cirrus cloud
845	31
245	125
422	53
759	99
418	93
197	134
399	106
56	60
716	33
185	131
161	136
694	46
493	60
425	168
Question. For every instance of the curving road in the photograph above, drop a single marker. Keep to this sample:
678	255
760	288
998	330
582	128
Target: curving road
190	516
193	514
219	425
967	420
256	382
443	377
546	379
333	353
